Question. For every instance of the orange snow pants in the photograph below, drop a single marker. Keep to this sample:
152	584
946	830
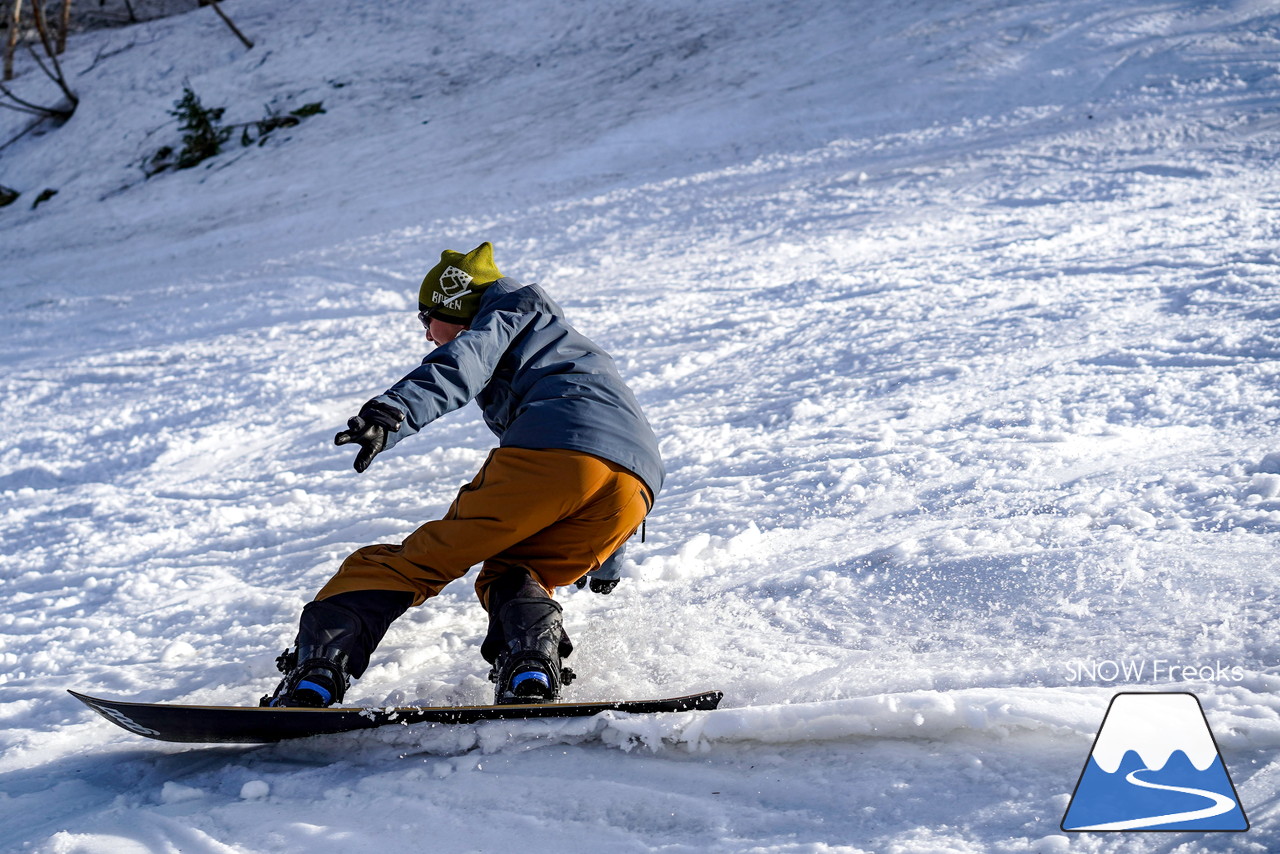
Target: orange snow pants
557	513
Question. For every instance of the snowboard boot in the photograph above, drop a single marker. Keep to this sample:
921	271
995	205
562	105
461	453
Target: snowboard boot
315	677
335	638
526	642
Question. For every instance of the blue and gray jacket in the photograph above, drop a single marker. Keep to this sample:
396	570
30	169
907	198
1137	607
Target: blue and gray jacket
540	382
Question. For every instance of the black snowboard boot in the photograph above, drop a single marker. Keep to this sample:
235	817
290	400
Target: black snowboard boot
315	677
335	638
526	642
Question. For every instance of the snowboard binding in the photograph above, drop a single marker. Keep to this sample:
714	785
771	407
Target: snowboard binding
314	677
528	681
526	642
335	637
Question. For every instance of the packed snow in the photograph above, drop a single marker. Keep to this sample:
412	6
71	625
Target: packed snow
957	321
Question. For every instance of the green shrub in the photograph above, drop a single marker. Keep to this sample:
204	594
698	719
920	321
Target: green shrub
203	133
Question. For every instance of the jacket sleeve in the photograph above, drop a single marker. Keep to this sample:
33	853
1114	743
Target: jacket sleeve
454	373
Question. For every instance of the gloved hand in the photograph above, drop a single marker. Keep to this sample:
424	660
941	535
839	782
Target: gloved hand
369	431
607	576
598	585
603	585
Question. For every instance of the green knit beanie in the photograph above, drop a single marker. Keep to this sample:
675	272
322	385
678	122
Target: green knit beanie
451	290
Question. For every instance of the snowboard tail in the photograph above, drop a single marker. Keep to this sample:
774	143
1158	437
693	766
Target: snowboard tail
258	725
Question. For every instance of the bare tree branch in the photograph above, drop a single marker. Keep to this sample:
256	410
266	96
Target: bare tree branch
223	15
20	135
31	111
39	62
52	68
43	29
22	106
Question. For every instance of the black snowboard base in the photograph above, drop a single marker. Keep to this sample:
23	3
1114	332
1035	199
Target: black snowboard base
256	725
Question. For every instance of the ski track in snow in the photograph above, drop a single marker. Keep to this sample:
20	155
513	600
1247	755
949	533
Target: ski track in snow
957	322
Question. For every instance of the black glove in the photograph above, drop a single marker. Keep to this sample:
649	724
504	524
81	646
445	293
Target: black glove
369	431
605	577
603	585
598	585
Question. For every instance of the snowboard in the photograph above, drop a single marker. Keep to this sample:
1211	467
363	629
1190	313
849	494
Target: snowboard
257	725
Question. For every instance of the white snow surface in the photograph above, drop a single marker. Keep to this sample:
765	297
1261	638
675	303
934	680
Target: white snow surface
957	320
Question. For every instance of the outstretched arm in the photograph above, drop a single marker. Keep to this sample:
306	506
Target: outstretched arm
447	379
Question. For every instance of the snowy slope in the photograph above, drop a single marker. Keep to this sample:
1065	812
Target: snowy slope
957	321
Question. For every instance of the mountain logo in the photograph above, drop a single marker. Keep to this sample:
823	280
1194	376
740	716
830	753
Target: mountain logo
1155	766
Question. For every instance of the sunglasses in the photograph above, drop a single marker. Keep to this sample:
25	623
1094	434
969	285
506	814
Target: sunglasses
424	317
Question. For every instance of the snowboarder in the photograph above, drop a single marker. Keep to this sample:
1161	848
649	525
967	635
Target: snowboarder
574	475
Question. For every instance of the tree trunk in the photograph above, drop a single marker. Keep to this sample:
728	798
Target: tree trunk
64	24
15	26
